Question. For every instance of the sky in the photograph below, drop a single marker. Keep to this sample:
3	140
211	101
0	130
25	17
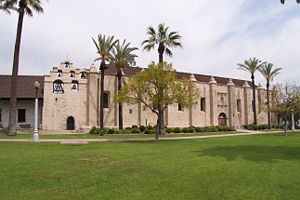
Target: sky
216	35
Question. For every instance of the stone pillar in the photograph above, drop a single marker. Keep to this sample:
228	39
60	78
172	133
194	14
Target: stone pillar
231	104
260	99
92	96
213	100
193	80
116	104
246	87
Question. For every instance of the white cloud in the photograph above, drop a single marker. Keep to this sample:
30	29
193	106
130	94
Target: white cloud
216	36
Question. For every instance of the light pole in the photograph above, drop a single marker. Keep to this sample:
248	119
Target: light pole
36	107
293	120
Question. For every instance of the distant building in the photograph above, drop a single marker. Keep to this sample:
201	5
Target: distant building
70	100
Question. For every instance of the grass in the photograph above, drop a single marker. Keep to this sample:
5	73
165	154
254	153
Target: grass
107	136
247	167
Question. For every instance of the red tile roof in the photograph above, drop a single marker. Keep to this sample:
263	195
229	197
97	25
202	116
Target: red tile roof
111	70
25	86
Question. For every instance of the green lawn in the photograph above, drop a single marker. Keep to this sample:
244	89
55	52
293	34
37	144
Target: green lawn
106	136
245	167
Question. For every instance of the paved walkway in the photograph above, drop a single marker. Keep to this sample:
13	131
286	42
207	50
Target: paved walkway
85	141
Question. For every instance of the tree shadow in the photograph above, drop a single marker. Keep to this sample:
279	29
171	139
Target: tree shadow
254	153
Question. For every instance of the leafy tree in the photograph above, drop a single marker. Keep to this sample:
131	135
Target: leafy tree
22	7
104	47
286	99
144	87
122	56
282	1
251	66
269	73
164	40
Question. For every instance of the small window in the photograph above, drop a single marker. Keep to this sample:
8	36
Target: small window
202	104
72	74
75	86
179	107
83	75
59	73
0	115
105	99
21	115
130	111
238	105
58	87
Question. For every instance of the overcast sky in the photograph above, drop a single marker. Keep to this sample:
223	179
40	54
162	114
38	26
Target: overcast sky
216	35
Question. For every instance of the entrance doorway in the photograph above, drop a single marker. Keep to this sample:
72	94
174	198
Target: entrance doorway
222	119
70	123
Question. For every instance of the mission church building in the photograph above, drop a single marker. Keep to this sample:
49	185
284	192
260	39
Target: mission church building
69	99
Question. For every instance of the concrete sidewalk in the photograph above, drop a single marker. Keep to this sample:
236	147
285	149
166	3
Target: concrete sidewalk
85	141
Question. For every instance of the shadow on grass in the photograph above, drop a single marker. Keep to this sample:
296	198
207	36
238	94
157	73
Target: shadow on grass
254	153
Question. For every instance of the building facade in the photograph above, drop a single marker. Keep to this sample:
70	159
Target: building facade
70	100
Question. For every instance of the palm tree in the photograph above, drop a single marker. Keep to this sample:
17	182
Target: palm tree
282	1
104	47
122	56
269	73
22	7
251	66
165	41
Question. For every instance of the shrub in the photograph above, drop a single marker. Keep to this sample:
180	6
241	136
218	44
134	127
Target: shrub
150	131
169	130
142	128
124	131
149	127
185	130
135	130
199	129
192	129
177	130
95	130
111	131
134	126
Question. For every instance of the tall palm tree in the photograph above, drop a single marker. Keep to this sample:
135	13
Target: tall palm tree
22	7
251	66
269	73
122	56
104	47
282	1
165	40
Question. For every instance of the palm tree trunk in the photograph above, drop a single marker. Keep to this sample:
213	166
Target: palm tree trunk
161	115
254	100
268	104
102	68
14	76
119	75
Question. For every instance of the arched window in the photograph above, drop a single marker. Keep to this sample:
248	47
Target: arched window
72	74
238	105
202	104
67	64
105	99
75	85
58	87
83	75
59	73
179	107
